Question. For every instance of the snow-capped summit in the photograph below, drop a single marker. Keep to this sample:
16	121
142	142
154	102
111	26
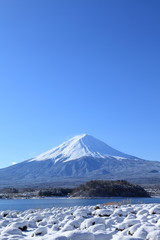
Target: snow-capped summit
81	158
80	146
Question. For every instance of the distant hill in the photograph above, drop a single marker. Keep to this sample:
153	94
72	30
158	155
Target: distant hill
78	160
119	188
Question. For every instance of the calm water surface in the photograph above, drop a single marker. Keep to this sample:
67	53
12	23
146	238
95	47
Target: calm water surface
24	204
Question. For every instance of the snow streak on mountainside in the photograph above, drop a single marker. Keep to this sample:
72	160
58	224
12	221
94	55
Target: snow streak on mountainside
81	146
78	160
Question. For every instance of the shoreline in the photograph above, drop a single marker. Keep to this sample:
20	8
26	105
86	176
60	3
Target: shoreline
54	197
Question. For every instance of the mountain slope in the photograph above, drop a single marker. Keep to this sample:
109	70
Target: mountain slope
80	146
79	159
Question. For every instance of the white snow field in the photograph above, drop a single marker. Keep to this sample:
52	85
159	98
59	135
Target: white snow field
110	222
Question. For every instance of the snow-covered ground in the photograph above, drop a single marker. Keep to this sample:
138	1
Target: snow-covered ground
111	222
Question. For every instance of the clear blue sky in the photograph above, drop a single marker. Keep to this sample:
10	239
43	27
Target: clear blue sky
87	66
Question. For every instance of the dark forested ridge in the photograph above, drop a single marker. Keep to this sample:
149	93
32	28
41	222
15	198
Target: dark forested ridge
91	189
100	188
54	192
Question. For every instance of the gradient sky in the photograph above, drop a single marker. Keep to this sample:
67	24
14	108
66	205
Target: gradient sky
87	66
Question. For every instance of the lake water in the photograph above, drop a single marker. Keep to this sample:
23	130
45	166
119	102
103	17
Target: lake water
24	204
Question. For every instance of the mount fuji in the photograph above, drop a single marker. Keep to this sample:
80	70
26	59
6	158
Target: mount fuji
78	147
79	159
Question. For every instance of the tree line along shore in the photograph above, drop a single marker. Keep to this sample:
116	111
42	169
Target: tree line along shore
91	189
